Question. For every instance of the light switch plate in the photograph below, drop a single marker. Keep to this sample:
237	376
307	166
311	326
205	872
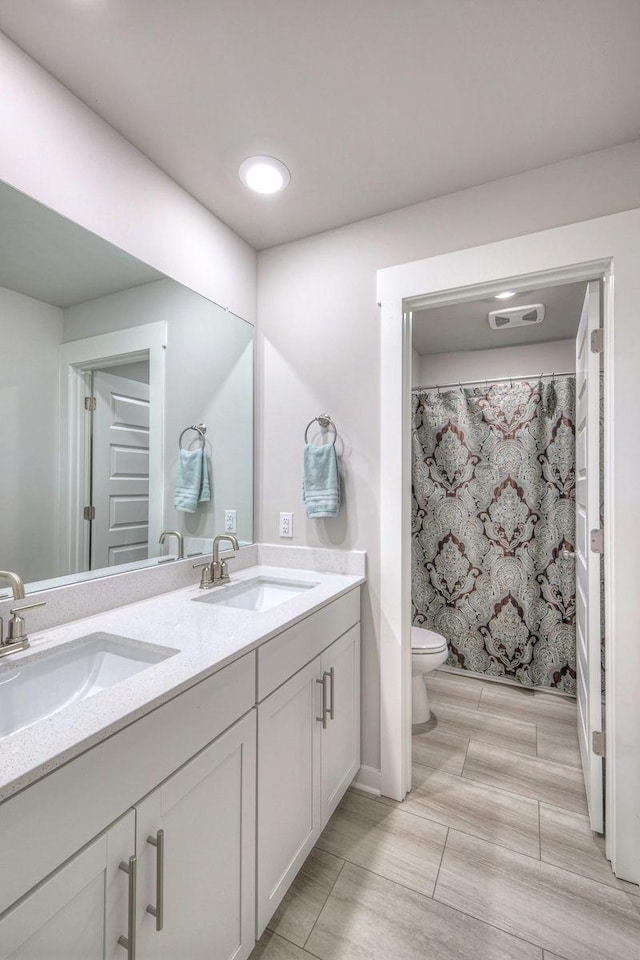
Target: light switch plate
230	521
286	524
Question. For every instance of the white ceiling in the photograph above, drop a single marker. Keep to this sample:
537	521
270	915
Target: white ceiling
45	256
373	104
464	326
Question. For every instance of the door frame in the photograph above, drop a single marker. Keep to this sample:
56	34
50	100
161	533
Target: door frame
606	247
77	359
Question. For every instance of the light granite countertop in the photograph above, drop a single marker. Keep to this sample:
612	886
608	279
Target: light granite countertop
206	637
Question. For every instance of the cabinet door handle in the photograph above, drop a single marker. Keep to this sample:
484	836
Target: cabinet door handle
129	942
157	911
332	677
323	718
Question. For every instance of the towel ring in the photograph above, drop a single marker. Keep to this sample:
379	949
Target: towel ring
200	428
325	422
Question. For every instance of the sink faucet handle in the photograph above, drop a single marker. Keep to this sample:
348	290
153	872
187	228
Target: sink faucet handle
205	579
27	606
17	632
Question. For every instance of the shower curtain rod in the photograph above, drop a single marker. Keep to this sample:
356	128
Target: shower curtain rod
488	380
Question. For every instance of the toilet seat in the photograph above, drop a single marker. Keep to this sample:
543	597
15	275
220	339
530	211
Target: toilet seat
426	641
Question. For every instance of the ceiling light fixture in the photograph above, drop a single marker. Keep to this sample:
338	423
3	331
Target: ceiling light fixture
264	174
505	295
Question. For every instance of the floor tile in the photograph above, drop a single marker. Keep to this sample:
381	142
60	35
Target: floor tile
272	947
532	705
462	690
438	749
306	897
553	783
387	841
560	911
517	735
567	841
368	918
474	808
560	743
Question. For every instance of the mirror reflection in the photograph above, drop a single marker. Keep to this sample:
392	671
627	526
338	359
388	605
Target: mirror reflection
108	366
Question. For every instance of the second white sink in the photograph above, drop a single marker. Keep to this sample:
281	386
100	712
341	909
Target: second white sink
258	594
47	681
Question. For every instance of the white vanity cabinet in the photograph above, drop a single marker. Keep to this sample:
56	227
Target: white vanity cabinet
340	742
308	743
196	855
197	874
210	802
81	911
288	786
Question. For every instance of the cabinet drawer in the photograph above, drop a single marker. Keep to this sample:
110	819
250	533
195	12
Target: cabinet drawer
287	653
59	814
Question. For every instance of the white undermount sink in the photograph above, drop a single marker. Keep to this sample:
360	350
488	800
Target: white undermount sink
258	594
45	682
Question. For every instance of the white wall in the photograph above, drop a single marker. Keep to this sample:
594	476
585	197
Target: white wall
57	150
209	379
138	370
319	344
556	356
30	334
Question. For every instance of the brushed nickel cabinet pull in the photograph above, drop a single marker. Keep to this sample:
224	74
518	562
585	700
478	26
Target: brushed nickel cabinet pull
332	677
323	718
129	942
157	911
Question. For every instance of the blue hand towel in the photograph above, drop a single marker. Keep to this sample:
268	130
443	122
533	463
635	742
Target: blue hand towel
192	481
321	481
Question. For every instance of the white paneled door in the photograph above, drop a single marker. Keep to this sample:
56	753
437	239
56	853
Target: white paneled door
588	551
120	471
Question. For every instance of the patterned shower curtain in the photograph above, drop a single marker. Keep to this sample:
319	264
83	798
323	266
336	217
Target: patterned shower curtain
494	527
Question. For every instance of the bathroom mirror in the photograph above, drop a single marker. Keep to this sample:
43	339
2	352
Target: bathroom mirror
106	365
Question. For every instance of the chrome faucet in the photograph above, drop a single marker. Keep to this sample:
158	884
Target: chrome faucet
179	538
17	638
216	573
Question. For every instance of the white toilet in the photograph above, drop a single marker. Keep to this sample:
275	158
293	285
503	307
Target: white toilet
428	651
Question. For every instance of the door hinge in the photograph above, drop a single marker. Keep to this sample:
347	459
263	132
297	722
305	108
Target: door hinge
597	541
598	743
90	404
89	513
597	340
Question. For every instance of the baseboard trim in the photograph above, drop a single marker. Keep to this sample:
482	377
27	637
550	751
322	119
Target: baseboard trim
368	780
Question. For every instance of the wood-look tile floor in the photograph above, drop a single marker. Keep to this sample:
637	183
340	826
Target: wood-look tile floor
489	858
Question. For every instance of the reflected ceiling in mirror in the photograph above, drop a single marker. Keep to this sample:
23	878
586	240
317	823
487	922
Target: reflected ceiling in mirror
106	363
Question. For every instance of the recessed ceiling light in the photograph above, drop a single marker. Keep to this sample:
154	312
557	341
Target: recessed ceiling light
264	174
505	295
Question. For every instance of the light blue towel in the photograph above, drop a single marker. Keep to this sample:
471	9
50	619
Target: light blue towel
321	481
192	481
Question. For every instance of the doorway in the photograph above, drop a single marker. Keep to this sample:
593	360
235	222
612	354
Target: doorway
604	248
118	463
112	448
502	573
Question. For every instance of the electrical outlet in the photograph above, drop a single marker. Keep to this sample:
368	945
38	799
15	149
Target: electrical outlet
286	524
230	521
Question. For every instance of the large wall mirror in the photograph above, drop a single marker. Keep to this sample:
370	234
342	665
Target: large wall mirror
107	366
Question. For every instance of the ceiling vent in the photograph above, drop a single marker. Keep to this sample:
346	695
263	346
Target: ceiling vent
516	316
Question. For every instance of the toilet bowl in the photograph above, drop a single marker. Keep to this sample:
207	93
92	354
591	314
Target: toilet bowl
428	651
